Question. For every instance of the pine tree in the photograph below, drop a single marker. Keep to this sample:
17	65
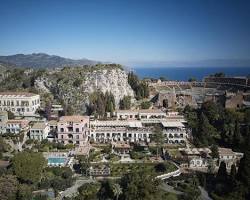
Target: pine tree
243	174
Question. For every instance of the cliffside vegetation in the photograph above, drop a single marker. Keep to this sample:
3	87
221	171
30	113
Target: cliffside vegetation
100	104
71	86
139	86
125	103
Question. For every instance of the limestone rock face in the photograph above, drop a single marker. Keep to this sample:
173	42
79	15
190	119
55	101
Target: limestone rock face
114	81
74	85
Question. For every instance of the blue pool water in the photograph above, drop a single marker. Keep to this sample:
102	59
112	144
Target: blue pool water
55	160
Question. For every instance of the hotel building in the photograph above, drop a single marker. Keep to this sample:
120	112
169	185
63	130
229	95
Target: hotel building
137	126
19	103
73	130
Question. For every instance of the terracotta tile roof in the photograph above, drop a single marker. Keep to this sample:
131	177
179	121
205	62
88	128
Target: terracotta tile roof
24	94
39	125
74	118
225	151
16	121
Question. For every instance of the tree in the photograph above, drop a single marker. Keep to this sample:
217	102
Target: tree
214	151
24	192
212	111
219	74
192	79
158	138
233	173
140	87
28	166
117	190
89	191
145	105
243	174
237	136
140	185
84	165
222	172
11	115
125	103
205	132
8	187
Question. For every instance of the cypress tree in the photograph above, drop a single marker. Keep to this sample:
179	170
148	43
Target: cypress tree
236	136
222	172
244	168
233	172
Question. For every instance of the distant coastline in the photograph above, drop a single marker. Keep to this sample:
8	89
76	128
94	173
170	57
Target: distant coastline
184	73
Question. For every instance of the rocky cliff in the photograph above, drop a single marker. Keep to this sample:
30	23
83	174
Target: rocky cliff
73	85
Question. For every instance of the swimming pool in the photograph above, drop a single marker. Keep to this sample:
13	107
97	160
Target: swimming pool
57	161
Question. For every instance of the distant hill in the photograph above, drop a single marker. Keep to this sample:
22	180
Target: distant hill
42	60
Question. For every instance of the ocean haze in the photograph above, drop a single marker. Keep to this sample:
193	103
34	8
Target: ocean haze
184	73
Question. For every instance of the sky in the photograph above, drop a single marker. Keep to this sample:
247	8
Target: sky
132	32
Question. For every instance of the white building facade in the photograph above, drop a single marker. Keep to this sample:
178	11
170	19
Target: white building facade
19	103
39	131
138	126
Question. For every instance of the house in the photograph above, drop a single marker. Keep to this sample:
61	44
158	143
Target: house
229	157
73	130
16	126
198	158
19	103
39	131
121	148
99	171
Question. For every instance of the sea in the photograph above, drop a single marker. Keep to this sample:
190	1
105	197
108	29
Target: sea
184	73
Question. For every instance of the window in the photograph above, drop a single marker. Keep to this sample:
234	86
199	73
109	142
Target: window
77	136
77	130
61	130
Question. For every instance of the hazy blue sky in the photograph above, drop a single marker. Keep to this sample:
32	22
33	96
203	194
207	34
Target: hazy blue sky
127	31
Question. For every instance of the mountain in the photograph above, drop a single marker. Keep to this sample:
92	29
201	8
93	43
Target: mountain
42	60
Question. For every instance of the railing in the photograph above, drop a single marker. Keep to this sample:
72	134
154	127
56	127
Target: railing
168	175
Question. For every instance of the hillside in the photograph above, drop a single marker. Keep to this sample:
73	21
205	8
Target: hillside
70	86
41	60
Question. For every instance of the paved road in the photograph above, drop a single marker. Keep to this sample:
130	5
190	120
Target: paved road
169	188
204	194
70	192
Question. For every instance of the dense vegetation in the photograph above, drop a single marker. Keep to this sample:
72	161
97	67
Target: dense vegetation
125	103
139	86
213	124
100	104
135	186
28	173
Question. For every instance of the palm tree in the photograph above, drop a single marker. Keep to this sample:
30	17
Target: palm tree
117	190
